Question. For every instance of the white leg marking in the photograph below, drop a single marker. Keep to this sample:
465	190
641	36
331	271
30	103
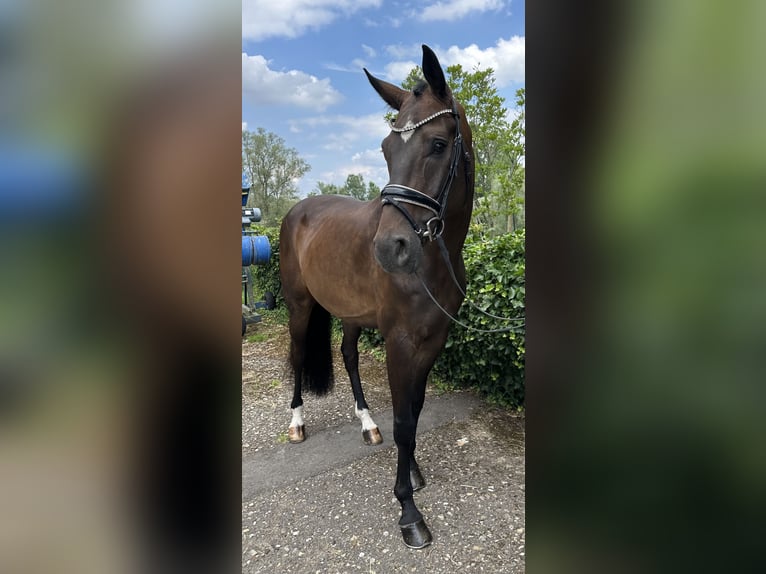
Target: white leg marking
297	417
364	416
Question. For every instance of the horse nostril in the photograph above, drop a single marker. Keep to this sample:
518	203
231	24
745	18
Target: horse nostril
401	250
397	253
400	247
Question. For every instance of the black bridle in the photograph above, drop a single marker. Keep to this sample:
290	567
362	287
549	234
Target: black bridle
396	194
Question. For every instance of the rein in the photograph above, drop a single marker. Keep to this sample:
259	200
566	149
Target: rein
445	256
459	322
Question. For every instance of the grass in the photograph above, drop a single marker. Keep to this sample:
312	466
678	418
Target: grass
277	316
257	338
441	386
270	328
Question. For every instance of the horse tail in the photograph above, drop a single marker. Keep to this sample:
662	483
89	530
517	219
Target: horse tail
317	376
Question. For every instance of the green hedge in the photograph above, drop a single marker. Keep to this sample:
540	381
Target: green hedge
266	277
490	362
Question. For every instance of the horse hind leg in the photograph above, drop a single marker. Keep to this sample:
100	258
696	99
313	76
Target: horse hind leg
350	350
296	432
310	358
370	431
298	324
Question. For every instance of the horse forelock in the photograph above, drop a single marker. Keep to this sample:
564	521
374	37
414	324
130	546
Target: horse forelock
422	86
419	88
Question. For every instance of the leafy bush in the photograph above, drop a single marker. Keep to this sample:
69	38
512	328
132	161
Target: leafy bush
490	362
371	338
266	277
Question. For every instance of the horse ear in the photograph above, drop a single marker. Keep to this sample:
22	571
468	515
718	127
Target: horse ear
391	94
433	73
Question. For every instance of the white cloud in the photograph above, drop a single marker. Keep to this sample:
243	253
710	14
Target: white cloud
371	53
342	133
290	18
369	163
244	126
506	58
401	51
264	86
375	173
455	9
397	71
368	155
339	67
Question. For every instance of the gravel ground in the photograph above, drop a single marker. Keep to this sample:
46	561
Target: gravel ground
345	519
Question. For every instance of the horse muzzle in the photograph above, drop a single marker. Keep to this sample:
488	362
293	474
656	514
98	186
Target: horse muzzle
398	253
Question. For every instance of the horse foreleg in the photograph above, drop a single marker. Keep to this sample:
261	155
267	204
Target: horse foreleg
350	350
415	532
407	392
416	478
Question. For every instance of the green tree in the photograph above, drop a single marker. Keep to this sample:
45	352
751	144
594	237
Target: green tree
273	168
498	145
500	204
353	186
373	191
512	181
326	189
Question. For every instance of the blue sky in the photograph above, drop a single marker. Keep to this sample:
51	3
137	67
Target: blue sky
302	66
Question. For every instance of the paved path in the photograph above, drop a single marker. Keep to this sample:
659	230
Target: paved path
327	505
339	446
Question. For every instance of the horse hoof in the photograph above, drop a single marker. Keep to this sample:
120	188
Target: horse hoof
296	434
416	535
372	436
416	479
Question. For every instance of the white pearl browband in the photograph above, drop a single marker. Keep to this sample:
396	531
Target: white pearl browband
409	128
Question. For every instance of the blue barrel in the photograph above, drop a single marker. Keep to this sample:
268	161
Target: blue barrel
256	250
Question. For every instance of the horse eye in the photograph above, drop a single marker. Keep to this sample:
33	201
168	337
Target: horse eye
438	146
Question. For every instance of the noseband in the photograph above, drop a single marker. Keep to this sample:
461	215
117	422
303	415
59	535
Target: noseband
396	194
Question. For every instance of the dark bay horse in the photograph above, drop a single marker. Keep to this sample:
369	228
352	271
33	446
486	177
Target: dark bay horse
369	264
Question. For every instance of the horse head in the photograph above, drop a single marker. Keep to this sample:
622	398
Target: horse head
429	145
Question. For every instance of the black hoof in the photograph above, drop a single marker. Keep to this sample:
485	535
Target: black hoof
416	535
416	479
